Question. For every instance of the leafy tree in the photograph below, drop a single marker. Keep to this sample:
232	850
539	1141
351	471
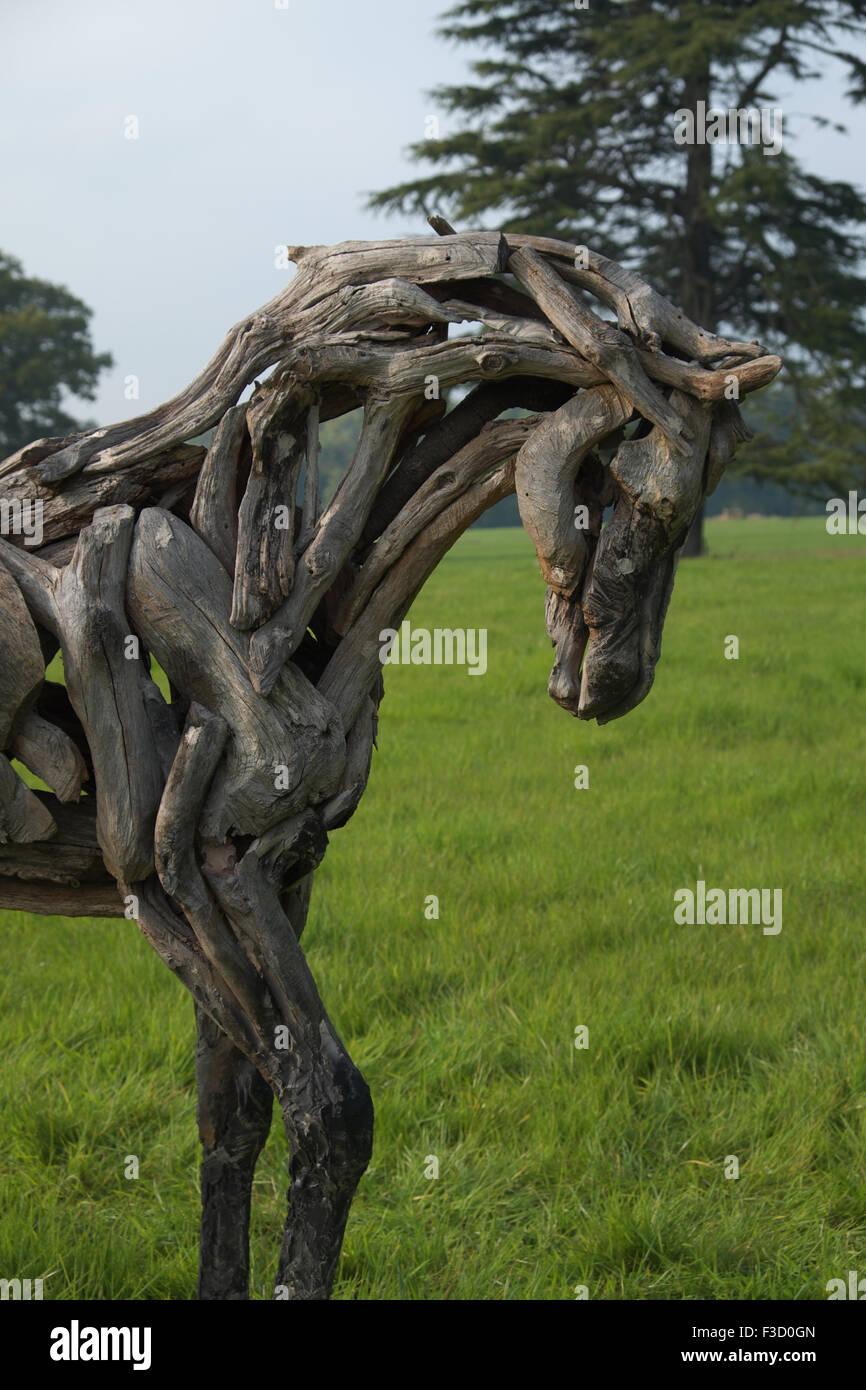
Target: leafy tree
568	128
45	350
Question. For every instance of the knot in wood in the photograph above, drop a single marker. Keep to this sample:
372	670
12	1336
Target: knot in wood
492	363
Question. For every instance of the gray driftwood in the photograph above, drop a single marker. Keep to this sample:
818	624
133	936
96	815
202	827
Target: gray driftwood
206	816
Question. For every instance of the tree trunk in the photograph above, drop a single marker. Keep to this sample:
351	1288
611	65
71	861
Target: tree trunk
696	294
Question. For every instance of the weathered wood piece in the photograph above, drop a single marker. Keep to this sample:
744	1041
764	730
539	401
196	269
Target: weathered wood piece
103	680
728	430
660	494
641	311
283	753
351	672
199	753
22	815
235	1106
22	668
54	705
545	475
567	629
608	348
451	434
498	441
71	857
325	1102
82	605
312	504
359	756
214	511
337	533
52	900
169	933
265	564
51	754
66	511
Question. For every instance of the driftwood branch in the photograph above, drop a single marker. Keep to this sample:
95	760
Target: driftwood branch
351	672
180	602
497	442
197	758
608	348
22	666
51	755
23	817
339	529
214	511
265	564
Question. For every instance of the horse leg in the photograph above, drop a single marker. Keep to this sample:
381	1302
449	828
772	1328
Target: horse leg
235	1105
328	1118
325	1102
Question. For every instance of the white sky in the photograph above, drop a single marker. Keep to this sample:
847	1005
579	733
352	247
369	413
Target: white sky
258	126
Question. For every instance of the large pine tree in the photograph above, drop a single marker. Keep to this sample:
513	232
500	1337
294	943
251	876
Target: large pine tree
569	129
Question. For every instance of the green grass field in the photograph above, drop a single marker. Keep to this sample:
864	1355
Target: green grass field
558	1167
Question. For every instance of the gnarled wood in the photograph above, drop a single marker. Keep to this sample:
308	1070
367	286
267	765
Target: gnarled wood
22	667
606	347
71	857
545	475
623	597
180	602
23	817
641	311
50	754
214	511
352	670
498	441
51	900
206	813
338	531
188	782
103	679
265	565
64	513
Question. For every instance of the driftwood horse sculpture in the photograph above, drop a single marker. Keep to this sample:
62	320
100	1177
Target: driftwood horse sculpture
205	816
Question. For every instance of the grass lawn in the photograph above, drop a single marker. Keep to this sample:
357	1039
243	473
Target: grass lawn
558	1167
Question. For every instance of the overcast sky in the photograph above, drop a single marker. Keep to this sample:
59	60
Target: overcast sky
258	125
